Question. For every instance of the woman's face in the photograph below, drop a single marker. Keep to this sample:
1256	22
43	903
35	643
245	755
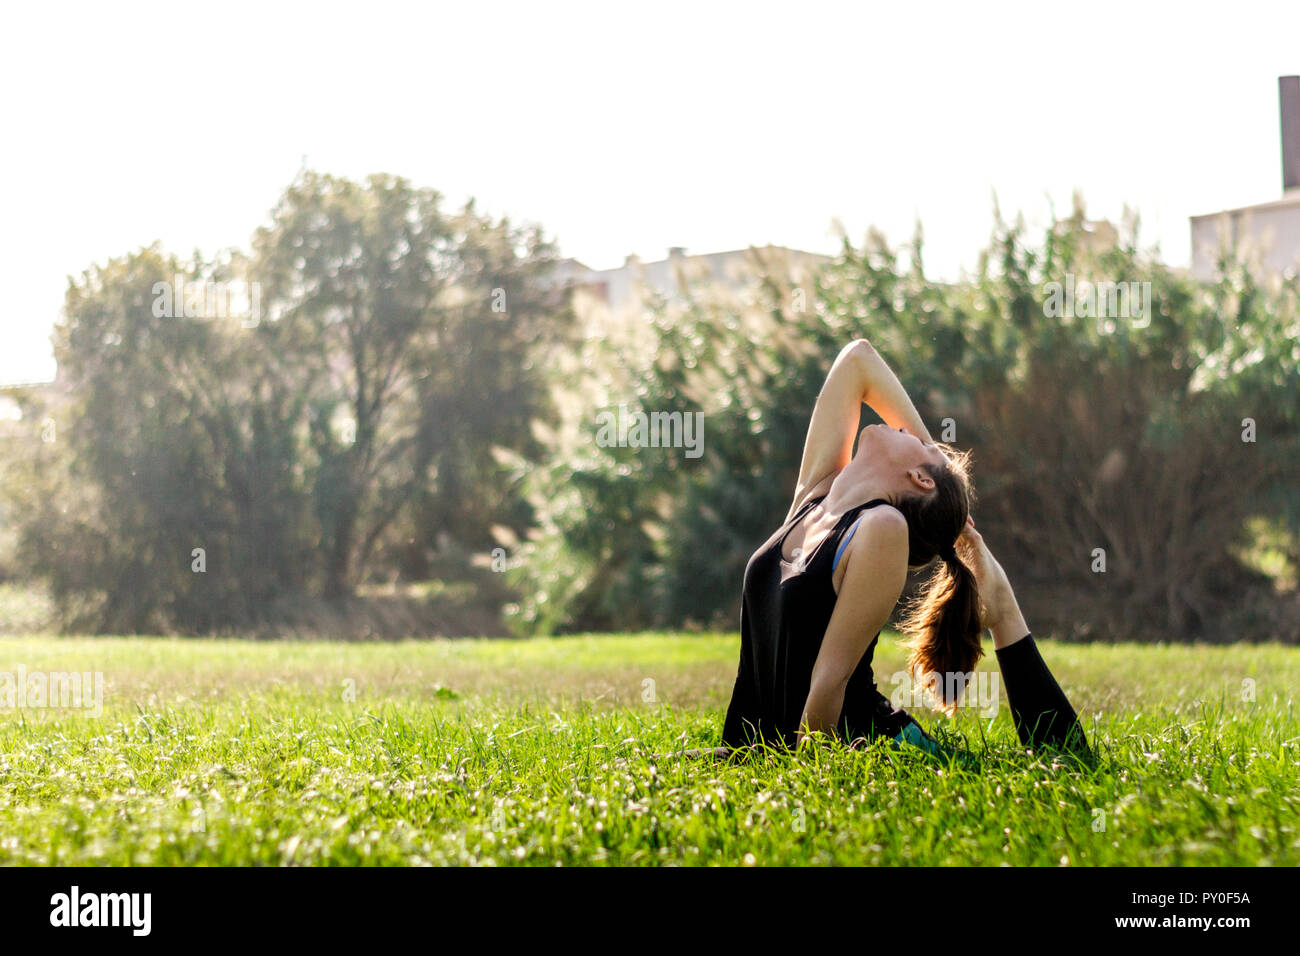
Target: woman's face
897	448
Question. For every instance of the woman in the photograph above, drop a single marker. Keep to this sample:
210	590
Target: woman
820	589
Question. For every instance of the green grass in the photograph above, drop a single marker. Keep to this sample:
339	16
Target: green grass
542	752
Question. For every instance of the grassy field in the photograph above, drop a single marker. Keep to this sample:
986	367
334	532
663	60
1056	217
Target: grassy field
542	752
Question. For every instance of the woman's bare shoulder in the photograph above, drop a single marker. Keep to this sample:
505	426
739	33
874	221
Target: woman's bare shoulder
885	518
881	526
880	532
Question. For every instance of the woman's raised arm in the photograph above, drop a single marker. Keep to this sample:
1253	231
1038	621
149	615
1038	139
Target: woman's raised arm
858	375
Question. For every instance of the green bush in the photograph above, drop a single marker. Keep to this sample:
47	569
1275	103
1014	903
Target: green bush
1096	438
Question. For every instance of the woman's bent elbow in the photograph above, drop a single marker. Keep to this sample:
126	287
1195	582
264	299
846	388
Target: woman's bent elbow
859	348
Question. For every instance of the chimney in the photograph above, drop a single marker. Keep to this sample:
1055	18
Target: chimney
676	252
1289	97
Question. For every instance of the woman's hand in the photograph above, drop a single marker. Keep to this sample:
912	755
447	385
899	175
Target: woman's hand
995	590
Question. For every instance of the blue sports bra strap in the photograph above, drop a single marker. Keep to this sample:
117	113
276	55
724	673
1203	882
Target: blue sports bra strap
844	542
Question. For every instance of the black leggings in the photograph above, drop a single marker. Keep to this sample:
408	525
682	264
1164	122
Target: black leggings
1039	710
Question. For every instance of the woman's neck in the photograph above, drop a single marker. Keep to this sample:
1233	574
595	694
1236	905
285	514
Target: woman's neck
853	487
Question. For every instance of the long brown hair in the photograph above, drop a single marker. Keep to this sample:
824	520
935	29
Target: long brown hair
943	621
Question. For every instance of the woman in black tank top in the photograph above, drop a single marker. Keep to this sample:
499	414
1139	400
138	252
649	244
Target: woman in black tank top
817	593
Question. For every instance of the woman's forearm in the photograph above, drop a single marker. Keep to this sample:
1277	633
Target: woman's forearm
1001	609
885	395
1011	625
821	712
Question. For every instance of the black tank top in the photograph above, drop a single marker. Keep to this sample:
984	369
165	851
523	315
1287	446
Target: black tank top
783	618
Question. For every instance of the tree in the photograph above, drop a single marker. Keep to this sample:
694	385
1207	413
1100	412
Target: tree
211	462
416	327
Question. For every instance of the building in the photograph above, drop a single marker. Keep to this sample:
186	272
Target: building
625	285
1270	230
1097	235
28	410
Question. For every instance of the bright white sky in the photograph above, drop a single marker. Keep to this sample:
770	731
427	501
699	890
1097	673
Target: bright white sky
624	127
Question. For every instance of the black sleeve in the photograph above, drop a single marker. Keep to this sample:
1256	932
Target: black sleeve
1039	709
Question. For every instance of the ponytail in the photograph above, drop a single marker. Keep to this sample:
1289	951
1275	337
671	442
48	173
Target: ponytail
943	621
943	625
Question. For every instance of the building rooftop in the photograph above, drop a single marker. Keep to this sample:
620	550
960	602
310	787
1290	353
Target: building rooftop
1290	199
